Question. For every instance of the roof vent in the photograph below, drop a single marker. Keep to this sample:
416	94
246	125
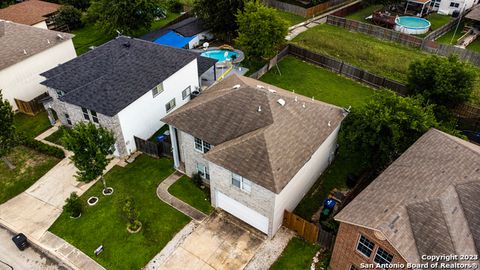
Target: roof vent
303	105
296	99
126	45
59	36
48	41
260	86
259	108
281	102
313	98
272	90
236	86
329	123
24	51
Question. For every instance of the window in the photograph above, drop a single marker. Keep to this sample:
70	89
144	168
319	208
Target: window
382	257
365	246
186	93
170	105
86	116
352	267
241	183
453	4
157	90
437	5
202	146
94	116
203	171
67	117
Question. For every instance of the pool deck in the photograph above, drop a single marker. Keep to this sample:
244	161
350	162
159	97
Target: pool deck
219	71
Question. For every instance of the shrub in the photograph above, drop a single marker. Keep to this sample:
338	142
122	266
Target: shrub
174	6
70	16
40	147
73	205
329	225
197	179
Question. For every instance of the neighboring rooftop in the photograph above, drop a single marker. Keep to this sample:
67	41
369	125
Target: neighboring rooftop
115	74
28	12
187	28
474	14
19	42
253	134
427	201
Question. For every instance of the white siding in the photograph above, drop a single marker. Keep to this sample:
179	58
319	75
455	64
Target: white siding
22	80
142	117
196	40
446	9
41	24
301	183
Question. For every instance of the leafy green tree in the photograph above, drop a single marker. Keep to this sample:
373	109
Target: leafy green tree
442	81
261	31
91	147
7	129
385	127
219	15
125	16
79	4
70	16
73	205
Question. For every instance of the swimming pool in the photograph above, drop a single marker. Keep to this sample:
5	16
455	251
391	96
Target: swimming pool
220	55
412	25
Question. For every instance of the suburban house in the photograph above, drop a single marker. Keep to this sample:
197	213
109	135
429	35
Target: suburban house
31	12
260	148
188	34
126	85
25	53
425	203
448	7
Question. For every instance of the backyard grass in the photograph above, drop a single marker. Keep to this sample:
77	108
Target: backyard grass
447	37
31	126
56	137
30	166
187	191
383	58
88	35
297	255
475	46
309	80
438	20
334	176
361	14
292	19
103	224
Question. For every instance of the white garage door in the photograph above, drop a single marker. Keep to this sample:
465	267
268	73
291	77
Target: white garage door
242	212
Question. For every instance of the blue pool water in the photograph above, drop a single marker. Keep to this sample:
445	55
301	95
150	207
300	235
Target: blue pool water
220	55
412	22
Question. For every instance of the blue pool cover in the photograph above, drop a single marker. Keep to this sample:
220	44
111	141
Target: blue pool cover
172	38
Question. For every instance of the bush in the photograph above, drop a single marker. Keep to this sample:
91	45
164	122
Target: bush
131	214
197	179
70	16
174	6
330	225
40	147
73	205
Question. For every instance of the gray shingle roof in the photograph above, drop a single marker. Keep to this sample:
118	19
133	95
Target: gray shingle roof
268	146
427	201
112	76
187	28
15	38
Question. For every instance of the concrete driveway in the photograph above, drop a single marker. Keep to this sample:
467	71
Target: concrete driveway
219	242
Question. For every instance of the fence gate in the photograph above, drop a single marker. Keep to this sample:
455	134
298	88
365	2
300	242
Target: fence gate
155	149
305	229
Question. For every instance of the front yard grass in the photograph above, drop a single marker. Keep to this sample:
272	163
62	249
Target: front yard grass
187	191
297	255
30	166
56	137
310	80
103	224
31	126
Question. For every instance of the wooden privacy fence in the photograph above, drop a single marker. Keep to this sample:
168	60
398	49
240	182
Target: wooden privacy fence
303	228
31	107
154	149
302	11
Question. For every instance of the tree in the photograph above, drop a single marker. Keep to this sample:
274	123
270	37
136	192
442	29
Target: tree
7	129
219	15
91	147
385	127
70	16
73	205
261	31
79	4
442	81
125	16
131	214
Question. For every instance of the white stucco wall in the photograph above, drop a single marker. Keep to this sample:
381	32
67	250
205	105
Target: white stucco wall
22	80
42	24
142	117
301	183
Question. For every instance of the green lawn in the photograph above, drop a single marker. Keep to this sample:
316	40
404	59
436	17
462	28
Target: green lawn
292	19
475	46
30	166
88	35
297	255
438	20
310	80
187	191
361	14
56	137
103	224
447	37
31	126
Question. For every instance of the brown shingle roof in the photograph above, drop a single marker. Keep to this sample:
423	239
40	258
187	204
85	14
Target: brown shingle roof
427	200
268	146
19	42
474	14
29	12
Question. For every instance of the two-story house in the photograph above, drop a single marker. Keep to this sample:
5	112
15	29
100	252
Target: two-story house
31	12
259	147
425	205
126	85
25	53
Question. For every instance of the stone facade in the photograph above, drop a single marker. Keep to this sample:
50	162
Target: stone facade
345	252
76	115
189	155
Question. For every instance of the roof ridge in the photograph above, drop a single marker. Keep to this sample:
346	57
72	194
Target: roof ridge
463	143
